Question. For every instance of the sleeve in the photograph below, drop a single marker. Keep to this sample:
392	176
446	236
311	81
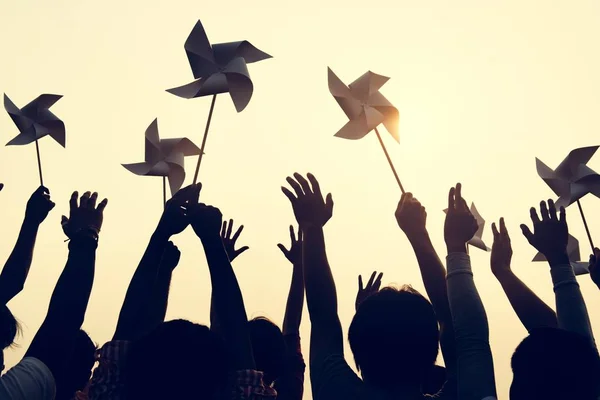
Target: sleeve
30	379
290	386
570	307
248	385
107	380
475	373
336	380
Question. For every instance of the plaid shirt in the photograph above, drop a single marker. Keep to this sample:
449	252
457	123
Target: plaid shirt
248	385
107	381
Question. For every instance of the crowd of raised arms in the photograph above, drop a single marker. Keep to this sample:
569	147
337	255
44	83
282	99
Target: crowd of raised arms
394	335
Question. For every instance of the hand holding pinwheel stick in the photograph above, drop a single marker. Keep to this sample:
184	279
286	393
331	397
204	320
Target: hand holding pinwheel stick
220	68
164	157
35	121
367	109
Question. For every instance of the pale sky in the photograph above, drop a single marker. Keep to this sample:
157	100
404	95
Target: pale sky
482	87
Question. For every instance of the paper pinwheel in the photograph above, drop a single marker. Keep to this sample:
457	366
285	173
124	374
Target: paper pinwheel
477	240
35	121
366	109
572	179
579	267
164	157
219	69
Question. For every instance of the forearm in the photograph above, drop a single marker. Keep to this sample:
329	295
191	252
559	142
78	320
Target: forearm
16	269
531	310
321	296
157	307
433	274
139	292
570	306
295	302
228	303
475	364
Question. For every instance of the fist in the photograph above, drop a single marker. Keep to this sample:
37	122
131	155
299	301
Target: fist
39	205
411	215
205	220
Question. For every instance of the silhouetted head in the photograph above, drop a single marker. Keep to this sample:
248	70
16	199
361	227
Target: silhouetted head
9	327
394	338
176	360
79	361
268	347
555	364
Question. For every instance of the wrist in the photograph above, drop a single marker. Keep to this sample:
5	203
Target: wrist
561	258
419	239
456	248
503	274
161	235
31	222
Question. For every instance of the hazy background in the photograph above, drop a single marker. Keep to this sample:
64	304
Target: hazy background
482	90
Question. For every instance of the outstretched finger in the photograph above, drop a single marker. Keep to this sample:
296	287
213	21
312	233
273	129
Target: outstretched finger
534	217
451	193
300	235
237	233
377	284
360	283
241	250
527	233
285	251
223	229
92	200
371	279
83	201
495	231
229	229
316	188
289	195
544	211
296	186
563	215
102	205
303	182
292	235
552	209
73	201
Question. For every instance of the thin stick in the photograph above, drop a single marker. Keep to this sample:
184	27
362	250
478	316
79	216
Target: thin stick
210	113
164	192
39	160
389	160
587	230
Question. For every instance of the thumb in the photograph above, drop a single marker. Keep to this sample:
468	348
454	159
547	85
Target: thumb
64	220
329	202
283	249
527	233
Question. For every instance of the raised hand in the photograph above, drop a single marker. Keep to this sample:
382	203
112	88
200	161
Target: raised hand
171	256
550	234
372	287
595	267
309	207
501	250
174	219
39	205
411	216
460	225
205	220
85	216
230	241
1	186
294	253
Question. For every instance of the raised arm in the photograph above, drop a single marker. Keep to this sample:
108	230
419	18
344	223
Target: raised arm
530	309
550	236
476	379
71	295
295	300
230	244
595	267
411	217
312	213
16	269
159	298
142	285
228	300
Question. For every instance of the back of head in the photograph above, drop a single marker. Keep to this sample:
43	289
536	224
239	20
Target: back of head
394	337
555	364
268	347
178	359
9	327
79	361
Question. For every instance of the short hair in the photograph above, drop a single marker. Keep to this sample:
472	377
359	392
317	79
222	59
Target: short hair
268	347
9	327
553	363
174	359
77	368
394	337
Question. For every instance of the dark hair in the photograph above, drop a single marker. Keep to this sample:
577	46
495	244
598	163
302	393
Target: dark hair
176	360
78	365
555	364
9	327
394	337
268	347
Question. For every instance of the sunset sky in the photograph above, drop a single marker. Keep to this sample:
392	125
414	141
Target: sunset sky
482	87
